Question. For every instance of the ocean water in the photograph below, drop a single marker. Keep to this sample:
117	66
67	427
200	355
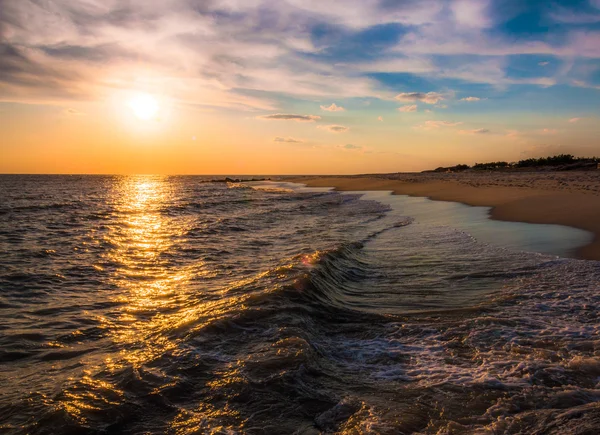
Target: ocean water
148	304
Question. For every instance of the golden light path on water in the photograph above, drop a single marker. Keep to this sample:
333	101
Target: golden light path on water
159	307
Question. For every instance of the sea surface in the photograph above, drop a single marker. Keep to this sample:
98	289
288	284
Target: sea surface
150	305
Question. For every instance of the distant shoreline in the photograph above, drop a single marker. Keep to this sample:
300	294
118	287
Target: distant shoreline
568	198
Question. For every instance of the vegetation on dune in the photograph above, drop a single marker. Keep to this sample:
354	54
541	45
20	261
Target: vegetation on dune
561	161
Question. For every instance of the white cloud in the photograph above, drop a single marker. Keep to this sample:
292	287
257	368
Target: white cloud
333	108
427	98
543	63
289	117
471	13
470	99
411	108
334	128
365	13
434	125
574	120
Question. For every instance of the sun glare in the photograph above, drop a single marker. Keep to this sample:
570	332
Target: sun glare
144	106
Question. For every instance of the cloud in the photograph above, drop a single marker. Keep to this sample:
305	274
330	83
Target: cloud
434	125
514	135
470	99
549	131
289	117
471	13
543	63
333	108
568	16
334	128
254	54
574	120
380	118
477	131
73	112
427	98
354	148
412	108
287	140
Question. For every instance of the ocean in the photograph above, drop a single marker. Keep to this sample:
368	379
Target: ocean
156	304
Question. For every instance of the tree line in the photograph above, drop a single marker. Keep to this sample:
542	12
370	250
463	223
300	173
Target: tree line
558	160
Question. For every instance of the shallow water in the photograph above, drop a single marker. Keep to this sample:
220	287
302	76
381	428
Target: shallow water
167	304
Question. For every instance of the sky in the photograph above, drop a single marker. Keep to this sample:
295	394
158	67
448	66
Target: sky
294	86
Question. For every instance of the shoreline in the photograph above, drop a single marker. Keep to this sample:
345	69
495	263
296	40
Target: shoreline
543	204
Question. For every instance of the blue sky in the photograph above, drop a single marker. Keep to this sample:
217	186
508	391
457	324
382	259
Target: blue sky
524	73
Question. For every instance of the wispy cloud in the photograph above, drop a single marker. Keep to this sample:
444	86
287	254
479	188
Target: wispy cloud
351	147
289	117
73	112
411	108
427	98
476	131
334	128
470	99
574	120
514	135
434	125
549	131
287	140
333	108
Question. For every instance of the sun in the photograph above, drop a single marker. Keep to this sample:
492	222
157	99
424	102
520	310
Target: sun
144	106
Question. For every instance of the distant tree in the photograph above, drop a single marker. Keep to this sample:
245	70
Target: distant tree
557	160
490	165
561	159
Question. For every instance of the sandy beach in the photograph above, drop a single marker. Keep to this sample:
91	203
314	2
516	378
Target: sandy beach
564	198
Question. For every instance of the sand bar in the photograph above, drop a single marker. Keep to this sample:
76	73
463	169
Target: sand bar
563	198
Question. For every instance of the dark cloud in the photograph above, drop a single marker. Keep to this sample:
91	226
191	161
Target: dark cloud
98	53
90	19
427	98
17	68
287	140
334	128
73	112
290	117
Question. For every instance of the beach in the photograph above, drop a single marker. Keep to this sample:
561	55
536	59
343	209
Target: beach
544	197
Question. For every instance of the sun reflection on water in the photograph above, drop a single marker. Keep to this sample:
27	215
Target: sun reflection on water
154	286
163	298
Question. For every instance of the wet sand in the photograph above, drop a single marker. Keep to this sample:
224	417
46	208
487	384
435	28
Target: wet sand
563	198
